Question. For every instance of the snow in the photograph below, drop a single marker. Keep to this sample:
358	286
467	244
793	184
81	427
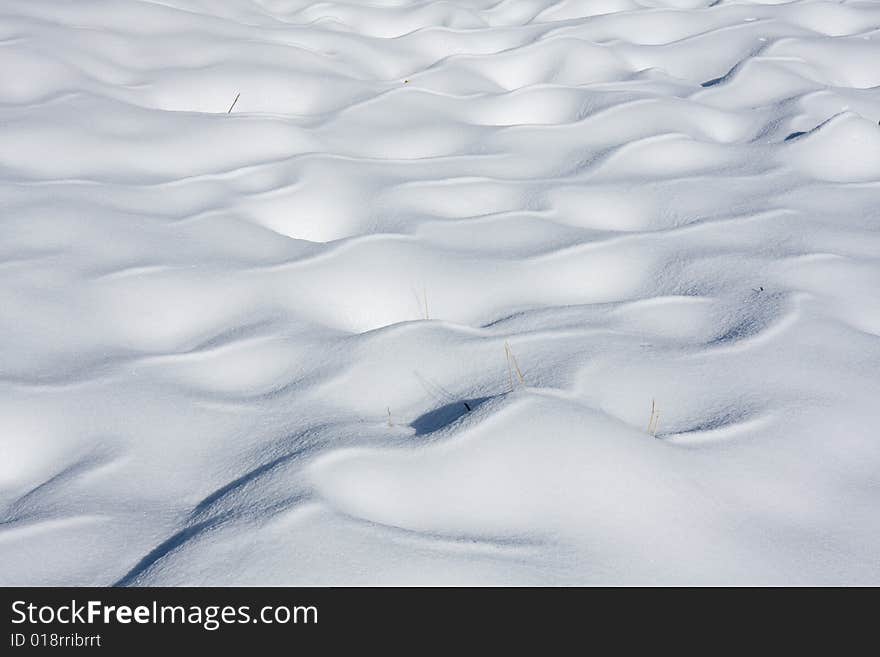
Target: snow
269	346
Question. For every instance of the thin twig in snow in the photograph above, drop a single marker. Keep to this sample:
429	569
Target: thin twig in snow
229	111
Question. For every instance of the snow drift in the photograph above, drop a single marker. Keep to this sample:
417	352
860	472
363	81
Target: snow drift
401	315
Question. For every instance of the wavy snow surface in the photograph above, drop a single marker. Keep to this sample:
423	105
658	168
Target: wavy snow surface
270	345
